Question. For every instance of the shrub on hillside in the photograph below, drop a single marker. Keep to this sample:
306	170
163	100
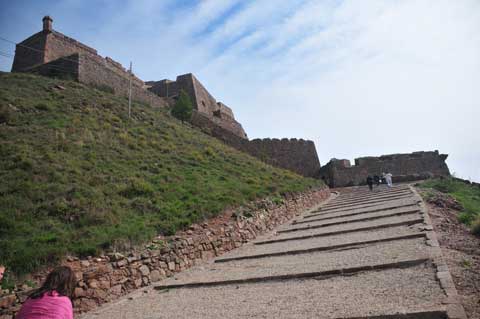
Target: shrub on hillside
476	227
4	114
183	107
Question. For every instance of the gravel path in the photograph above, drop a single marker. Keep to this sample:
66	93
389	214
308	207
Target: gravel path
406	284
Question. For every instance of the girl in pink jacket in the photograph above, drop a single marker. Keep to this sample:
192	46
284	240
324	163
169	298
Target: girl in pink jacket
53	299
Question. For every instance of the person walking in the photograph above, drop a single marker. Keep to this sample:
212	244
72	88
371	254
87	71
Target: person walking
53	299
370	182
388	178
376	179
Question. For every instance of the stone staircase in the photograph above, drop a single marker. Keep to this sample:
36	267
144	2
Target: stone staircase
362	254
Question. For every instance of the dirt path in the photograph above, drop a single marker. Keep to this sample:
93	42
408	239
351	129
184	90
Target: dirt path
461	251
362	255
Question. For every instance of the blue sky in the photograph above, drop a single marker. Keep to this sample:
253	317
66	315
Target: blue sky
358	78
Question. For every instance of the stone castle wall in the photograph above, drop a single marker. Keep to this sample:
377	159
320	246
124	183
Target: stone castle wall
29	52
202	101
297	155
106	278
66	68
403	167
92	70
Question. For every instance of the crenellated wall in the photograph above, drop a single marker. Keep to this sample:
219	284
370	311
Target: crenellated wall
403	167
297	155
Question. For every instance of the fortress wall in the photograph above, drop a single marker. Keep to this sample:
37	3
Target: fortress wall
59	45
87	69
165	88
403	167
230	125
202	101
299	156
29	52
210	127
224	111
94	72
62	68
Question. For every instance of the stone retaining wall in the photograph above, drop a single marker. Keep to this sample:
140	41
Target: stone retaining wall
105	278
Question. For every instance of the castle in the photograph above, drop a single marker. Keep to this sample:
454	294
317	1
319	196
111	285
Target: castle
403	167
51	53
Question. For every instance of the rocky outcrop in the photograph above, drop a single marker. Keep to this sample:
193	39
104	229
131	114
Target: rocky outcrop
105	278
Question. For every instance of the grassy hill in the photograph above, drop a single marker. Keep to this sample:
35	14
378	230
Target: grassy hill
77	176
467	195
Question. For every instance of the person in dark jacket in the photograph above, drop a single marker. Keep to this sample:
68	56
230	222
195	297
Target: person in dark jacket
370	182
376	179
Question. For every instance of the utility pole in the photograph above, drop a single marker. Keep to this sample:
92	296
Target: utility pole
130	92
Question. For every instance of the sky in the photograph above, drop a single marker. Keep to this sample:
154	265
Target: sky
359	78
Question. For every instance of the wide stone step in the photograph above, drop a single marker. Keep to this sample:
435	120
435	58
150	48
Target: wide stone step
304	250
394	254
379	200
368	193
393	202
355	215
366	294
321	224
292	230
326	243
312	233
340	200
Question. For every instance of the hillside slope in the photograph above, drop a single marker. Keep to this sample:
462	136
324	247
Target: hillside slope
78	176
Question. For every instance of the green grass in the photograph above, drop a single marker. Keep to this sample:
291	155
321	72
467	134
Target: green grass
467	195
77	176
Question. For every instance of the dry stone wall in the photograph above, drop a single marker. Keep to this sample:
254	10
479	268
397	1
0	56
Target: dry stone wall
107	277
403	167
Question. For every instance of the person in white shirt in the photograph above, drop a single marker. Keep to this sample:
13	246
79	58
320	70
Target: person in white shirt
388	178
